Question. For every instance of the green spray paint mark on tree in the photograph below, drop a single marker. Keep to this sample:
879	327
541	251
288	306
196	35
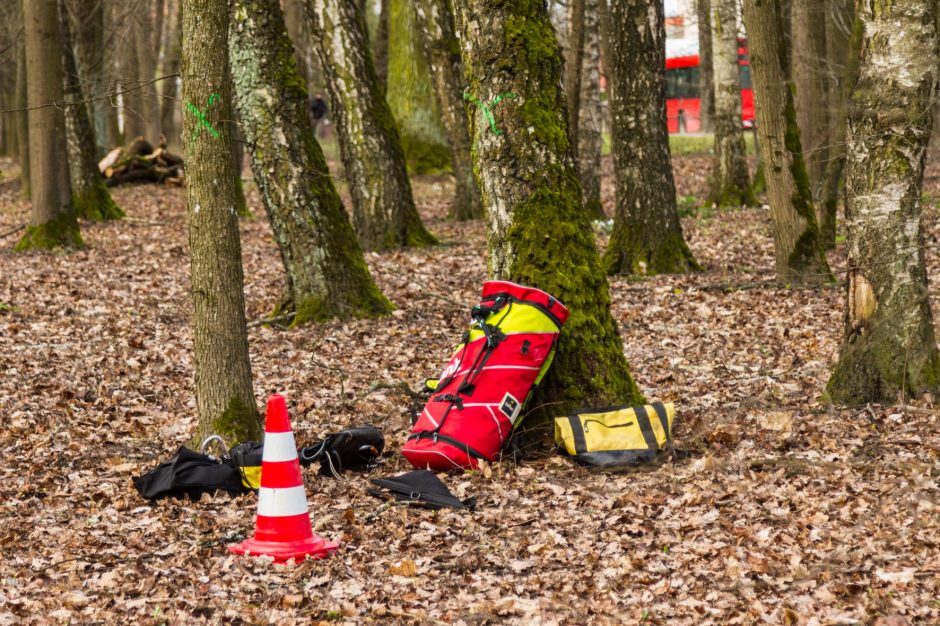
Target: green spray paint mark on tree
488	110
203	122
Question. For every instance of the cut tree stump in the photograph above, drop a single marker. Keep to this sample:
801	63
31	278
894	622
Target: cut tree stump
141	162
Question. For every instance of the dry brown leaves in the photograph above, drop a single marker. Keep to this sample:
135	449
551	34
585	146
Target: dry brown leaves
780	510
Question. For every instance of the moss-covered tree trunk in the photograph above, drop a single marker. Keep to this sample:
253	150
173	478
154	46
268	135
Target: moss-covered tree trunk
843	39
706	67
90	198
730	184
538	232
52	222
591	113
410	94
647	236
327	274
889	348
810	75
22	117
798	255
384	213
435	23
224	396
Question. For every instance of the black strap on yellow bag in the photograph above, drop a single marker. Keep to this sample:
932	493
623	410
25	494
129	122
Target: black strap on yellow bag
617	437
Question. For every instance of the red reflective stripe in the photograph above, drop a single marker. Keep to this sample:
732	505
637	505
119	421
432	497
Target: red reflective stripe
283	529
280	474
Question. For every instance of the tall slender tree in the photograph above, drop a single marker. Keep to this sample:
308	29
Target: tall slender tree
90	198
22	117
224	396
146	55
889	348
384	213
434	21
53	222
730	184
706	71
647	236
89	45
574	55
327	275
411	96
591	113
809	70
538	232
798	254
169	88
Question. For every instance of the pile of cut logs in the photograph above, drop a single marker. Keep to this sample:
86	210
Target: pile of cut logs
141	162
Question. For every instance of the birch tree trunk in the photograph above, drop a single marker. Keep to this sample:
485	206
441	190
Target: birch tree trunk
411	96
538	232
844	40
889	348
327	275
224	395
52	221
647	236
90	198
384	213
706	71
798	255
435	24
809	65
591	114
730	185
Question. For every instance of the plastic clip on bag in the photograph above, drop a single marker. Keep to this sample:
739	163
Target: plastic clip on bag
617	437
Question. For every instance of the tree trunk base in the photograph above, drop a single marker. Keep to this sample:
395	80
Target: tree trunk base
870	371
654	254
96	204
61	232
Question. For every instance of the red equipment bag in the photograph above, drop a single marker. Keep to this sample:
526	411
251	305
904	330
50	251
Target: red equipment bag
478	400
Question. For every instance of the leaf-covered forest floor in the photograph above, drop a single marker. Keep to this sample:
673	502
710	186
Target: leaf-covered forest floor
780	509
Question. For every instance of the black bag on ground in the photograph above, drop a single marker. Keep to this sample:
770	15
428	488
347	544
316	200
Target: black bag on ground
192	474
348	449
421	487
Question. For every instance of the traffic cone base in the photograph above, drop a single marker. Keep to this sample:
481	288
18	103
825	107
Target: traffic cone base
282	527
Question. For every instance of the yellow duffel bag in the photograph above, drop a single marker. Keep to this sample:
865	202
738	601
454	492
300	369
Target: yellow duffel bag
617	437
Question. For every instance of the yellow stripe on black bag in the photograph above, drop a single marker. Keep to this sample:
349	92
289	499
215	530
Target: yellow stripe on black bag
617	437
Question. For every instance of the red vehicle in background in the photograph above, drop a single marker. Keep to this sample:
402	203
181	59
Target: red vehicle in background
683	103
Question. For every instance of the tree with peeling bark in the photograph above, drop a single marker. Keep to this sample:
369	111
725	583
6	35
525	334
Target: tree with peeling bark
647	236
327	275
730	183
224	396
799	258
809	67
538	232
53	223
384	213
889	350
586	137
435	25
91	200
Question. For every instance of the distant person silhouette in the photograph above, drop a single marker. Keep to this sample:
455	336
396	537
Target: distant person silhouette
318	111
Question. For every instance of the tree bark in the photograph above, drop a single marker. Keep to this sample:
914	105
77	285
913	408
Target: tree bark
146	71
809	67
169	88
89	46
573	67
380	55
798	255
706	66
843	37
22	117
326	272
384	213
888	347
647	237
224	395
411	97
730	184
296	30
90	197
591	114
52	222
538	232
435	25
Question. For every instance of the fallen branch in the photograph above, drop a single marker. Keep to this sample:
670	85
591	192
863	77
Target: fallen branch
271	321
12	231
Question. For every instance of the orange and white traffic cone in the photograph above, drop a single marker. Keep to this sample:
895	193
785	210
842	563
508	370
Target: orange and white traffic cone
282	527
